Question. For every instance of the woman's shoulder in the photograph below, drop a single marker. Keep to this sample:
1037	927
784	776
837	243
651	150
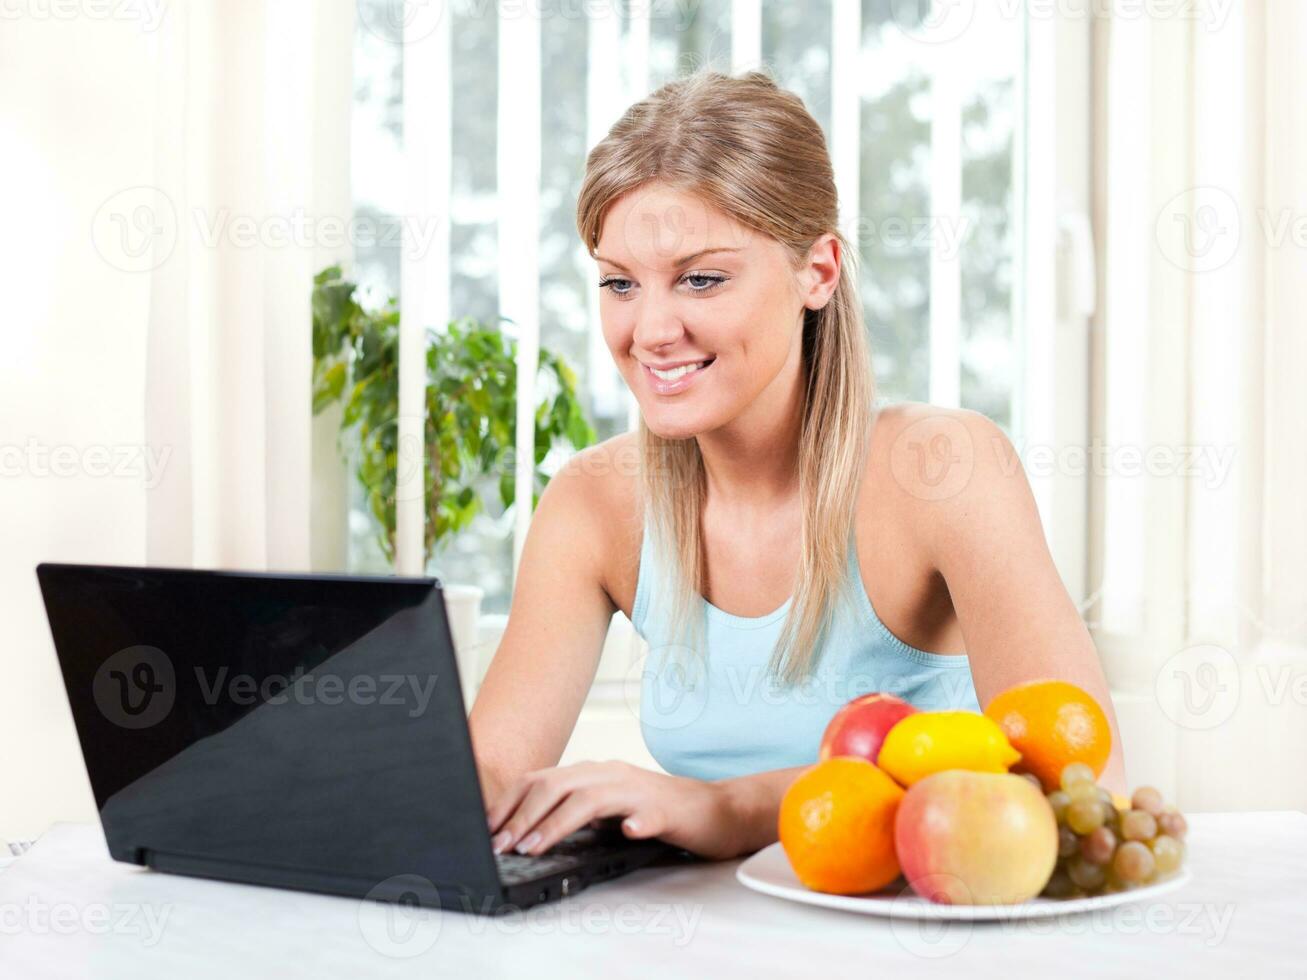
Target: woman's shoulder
603	480
934	453
935	466
608	473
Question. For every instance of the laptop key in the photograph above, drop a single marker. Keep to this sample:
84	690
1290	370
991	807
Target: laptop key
524	867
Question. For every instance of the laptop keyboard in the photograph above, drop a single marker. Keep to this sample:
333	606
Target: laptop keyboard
572	851
514	868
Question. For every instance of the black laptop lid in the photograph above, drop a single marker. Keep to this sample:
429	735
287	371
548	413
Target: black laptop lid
302	722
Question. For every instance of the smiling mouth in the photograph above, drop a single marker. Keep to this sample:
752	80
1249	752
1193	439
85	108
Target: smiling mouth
676	380
675	374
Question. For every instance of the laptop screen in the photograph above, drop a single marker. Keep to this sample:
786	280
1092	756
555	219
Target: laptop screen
311	722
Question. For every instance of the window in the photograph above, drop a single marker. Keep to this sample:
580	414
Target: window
939	196
927	142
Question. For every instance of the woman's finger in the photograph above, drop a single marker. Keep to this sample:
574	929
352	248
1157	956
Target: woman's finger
544	789
576	809
503	805
510	798
510	825
644	821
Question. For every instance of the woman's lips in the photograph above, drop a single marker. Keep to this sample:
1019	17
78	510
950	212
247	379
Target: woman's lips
661	387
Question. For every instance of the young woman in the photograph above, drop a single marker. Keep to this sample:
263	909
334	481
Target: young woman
781	545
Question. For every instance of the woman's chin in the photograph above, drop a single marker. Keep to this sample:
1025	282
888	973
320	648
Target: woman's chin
672	428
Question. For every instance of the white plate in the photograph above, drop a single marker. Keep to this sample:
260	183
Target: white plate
769	872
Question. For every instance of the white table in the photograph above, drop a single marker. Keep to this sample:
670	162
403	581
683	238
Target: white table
66	910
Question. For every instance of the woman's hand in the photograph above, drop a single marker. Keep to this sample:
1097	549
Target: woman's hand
538	809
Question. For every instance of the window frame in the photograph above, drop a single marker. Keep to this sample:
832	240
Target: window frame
1052	312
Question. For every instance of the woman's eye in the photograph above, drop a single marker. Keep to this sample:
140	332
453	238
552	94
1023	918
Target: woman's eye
701	284
697	283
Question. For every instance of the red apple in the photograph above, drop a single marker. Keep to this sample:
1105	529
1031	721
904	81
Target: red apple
860	726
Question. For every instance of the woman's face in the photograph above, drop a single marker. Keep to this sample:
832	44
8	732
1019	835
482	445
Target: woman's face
688	290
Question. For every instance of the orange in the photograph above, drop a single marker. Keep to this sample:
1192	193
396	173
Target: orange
1052	724
837	826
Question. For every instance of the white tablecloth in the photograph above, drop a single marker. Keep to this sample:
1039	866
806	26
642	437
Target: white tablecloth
66	910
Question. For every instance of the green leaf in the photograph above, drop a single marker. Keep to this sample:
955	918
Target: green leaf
470	402
329	388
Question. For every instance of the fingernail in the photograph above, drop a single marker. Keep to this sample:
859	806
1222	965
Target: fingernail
501	841
632	825
528	842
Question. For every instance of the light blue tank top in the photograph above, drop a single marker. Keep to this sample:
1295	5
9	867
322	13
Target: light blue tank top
720	716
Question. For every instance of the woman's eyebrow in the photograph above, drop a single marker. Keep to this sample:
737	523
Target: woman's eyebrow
678	263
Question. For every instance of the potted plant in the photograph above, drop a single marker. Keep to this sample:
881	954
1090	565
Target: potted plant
470	420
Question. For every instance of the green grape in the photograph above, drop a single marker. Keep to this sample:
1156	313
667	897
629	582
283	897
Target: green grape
1067	841
1134	863
1060	884
1074	773
1058	800
1098	846
1138	825
1086	874
1084	816
1111	817
1105	798
1148	799
1173	824
1083	791
1168	853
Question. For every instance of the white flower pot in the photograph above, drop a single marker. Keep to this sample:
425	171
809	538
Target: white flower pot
463	607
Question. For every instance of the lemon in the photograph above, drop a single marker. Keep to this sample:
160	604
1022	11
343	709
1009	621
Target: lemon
932	741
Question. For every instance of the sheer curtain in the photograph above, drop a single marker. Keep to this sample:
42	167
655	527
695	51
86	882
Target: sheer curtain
251	189
169	185
1199	533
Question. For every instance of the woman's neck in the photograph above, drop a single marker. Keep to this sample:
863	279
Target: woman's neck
752	461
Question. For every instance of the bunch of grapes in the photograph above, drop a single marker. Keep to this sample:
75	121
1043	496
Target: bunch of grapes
1101	849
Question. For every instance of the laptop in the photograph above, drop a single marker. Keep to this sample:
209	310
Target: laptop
299	731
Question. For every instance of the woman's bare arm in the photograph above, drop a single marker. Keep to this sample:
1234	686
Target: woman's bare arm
753	805
983	531
532	693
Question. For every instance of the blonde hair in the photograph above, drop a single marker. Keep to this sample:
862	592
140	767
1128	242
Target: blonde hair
752	150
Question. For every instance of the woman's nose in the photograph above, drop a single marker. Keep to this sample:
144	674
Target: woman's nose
657	323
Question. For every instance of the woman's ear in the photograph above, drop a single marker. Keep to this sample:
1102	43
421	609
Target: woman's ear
823	271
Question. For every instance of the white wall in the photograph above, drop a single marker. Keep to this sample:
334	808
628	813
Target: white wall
72	133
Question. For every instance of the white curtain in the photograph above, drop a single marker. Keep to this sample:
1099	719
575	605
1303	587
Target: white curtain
154	381
1200	533
251	154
